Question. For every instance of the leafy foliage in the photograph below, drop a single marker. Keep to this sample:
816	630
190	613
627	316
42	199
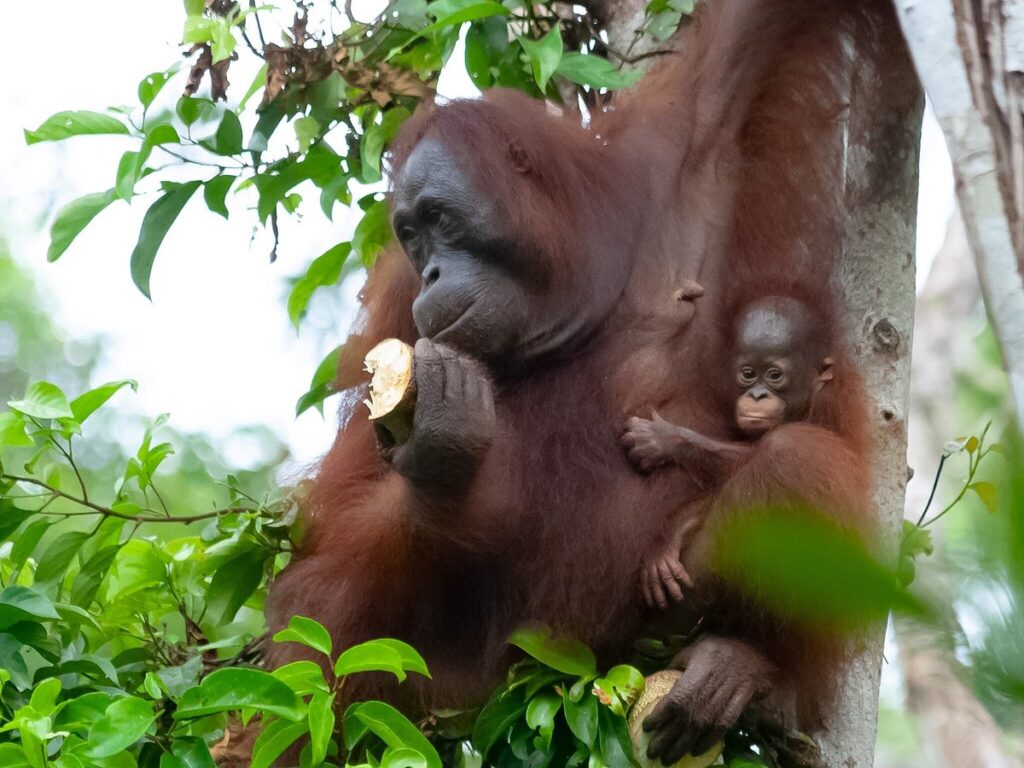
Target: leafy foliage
343	96
133	636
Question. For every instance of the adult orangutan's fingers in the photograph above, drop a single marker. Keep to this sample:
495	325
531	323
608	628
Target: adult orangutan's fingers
628	440
735	707
429	373
664	711
707	740
665	737
453	372
487	396
679	748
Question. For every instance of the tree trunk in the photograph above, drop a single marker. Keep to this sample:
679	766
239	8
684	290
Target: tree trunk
971	57
877	274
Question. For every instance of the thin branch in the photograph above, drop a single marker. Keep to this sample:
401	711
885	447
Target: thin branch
108	512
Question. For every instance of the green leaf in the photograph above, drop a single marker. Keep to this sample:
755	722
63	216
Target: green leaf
303	677
322	385
595	72
988	494
228	138
275	739
371	656
373	232
564	654
404	757
191	108
306	130
395	729
44	697
27	541
12	756
540	715
80	713
215	192
153	83
472	11
545	55
83	406
132	166
376	138
43	400
807	569
155	224
496	718
233	584
620	688
64	125
258	81
308	632
59	554
411	659
73	218
616	747
94	570
324	271
124	723
581	717
234	688
321	725
189	753
11	518
12	430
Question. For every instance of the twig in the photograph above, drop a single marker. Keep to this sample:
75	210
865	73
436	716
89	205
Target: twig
108	512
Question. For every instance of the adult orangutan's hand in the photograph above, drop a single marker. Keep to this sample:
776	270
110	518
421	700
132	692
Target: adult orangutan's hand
720	677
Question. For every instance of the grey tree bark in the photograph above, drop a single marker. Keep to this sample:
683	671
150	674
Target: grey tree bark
971	57
877	274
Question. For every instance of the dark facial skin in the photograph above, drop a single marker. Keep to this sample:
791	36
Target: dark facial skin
774	371
456	239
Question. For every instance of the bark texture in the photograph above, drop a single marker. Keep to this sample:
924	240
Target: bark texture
971	57
877	274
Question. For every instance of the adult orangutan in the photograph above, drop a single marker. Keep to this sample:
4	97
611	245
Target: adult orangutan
552	284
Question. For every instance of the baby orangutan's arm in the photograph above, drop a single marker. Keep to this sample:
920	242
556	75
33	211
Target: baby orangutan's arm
655	443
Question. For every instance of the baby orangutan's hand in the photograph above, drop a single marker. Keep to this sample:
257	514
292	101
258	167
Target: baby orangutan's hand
664	577
649	443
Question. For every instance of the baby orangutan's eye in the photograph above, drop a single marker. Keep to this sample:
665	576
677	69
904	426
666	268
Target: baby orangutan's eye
775	375
747	373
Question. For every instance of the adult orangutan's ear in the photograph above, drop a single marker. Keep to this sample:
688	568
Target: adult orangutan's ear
825	374
518	156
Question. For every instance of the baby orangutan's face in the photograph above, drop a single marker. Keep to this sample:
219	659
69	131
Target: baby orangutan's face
775	371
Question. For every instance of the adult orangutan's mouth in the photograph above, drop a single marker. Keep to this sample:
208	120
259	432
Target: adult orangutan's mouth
451	326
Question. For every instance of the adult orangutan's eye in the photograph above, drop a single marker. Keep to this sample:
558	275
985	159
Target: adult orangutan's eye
409	237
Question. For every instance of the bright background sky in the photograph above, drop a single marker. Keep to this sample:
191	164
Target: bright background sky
215	347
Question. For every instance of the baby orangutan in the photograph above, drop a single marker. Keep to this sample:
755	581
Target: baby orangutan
778	366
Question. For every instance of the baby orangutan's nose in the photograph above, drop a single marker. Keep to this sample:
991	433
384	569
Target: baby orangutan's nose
758	393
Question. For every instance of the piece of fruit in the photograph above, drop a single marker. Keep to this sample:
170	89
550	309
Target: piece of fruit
392	398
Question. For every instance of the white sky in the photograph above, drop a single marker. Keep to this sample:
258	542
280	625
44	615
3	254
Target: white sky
215	348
